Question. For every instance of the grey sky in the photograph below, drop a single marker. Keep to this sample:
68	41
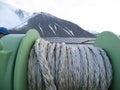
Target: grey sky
98	15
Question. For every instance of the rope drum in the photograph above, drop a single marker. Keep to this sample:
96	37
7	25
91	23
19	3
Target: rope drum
58	66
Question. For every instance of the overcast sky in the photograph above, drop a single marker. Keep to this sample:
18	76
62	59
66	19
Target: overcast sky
97	15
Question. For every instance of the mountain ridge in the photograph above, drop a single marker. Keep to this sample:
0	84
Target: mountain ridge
11	16
52	26
48	25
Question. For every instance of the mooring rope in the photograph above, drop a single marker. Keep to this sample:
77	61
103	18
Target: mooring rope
55	66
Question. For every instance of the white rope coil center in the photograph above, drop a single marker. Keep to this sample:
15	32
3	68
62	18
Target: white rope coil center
55	66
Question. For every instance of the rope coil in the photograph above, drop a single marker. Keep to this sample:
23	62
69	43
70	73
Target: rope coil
55	66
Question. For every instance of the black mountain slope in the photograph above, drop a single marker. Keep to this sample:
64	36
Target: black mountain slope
51	26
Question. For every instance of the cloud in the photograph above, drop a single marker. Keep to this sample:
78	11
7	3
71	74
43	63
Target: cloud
7	17
90	14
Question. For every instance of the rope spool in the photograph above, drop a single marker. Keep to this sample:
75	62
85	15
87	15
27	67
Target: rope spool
55	66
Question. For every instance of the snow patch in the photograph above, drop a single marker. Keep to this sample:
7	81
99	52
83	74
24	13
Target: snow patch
51	29
55	27
41	28
70	31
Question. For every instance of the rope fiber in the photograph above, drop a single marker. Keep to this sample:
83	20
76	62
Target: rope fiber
57	66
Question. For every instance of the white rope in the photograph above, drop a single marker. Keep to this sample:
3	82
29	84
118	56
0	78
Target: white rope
55	66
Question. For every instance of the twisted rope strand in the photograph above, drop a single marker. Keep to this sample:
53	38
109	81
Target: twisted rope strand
55	66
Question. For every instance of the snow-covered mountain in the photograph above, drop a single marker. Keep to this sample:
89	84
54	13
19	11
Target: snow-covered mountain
20	21
51	26
11	16
93	32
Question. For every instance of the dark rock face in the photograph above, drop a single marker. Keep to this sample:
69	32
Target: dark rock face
51	26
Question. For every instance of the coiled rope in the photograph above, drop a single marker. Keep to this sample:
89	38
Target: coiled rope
55	66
